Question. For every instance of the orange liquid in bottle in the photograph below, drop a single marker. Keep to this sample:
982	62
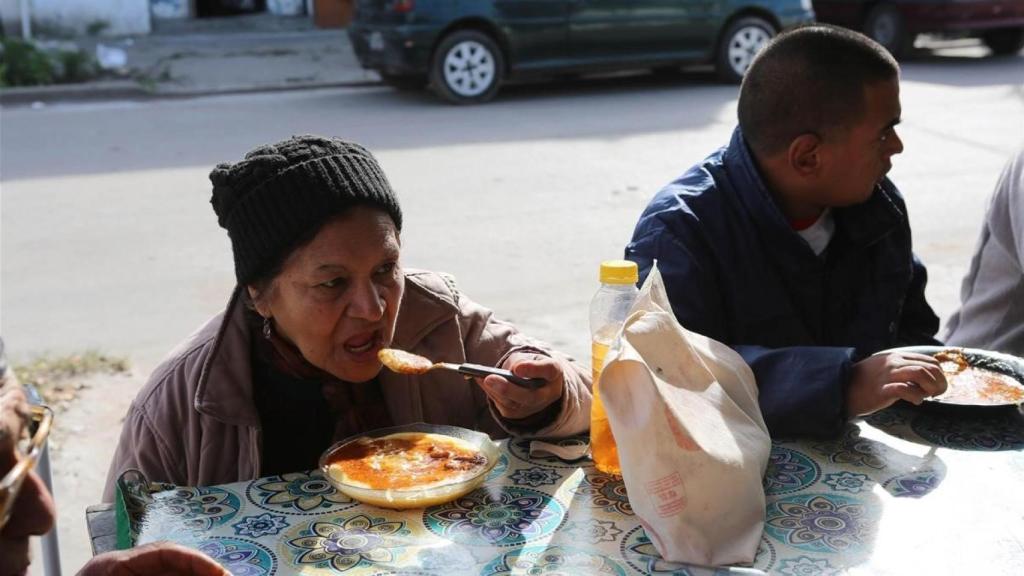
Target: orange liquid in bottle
602	442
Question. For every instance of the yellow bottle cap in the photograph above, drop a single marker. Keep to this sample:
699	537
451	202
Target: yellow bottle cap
619	272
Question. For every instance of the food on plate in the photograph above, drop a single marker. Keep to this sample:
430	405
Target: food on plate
969	384
406	461
952	361
404	362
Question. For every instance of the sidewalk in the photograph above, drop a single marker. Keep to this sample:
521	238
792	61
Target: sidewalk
216	56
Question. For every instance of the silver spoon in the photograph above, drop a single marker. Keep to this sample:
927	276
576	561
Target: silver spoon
404	362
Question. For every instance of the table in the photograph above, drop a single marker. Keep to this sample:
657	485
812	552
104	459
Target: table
904	491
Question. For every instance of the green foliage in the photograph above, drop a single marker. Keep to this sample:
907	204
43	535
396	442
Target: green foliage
23	64
96	27
75	66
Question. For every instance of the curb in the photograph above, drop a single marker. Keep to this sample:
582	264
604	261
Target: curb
116	90
128	90
173	39
184	94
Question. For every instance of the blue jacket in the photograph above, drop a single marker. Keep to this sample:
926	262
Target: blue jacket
735	271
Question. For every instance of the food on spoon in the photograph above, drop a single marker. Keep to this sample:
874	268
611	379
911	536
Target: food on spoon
404	362
969	384
406	461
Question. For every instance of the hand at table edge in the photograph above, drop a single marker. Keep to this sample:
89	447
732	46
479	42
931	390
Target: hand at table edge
155	559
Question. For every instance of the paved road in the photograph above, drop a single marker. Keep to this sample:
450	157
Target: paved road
108	239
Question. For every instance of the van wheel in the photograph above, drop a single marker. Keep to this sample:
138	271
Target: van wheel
884	24
740	42
1004	41
467	68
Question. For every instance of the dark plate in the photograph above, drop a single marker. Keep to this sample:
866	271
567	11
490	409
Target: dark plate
1011	366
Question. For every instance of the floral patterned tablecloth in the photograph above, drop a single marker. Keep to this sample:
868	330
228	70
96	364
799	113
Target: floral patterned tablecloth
904	492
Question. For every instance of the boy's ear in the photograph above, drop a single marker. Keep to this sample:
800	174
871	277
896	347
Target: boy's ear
805	155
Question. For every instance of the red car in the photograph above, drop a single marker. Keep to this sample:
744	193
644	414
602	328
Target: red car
896	23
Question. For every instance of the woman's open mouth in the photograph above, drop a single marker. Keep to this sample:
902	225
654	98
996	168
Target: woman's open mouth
364	346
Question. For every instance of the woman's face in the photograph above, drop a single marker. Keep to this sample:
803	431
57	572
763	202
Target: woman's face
336	299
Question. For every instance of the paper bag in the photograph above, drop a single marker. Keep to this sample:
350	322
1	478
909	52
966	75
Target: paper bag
692	443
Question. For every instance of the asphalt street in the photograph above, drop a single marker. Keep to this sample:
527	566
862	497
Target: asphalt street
109	240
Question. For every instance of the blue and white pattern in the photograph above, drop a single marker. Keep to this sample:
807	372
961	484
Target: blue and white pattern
343	544
299	493
197	509
852	450
555	560
641	555
535	477
591	531
240	557
505	516
913	484
804	566
789	471
848	482
891	417
995	432
543	516
605	492
260	526
446	559
766	555
821	523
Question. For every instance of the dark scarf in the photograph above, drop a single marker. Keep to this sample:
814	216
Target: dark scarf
302	408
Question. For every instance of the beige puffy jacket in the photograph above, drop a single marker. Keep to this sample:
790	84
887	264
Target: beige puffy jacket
195	422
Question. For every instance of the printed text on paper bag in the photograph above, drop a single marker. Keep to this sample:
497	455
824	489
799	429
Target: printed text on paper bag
668	494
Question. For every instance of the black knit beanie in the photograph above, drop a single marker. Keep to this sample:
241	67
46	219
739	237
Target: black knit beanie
281	194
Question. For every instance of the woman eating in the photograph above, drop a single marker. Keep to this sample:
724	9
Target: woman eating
291	365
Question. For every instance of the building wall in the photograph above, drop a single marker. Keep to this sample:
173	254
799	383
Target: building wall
121	16
170	8
10	17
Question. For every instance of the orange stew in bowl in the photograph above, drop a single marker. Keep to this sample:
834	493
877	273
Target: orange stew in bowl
404	461
978	386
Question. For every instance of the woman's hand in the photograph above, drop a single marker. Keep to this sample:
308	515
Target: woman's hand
516	402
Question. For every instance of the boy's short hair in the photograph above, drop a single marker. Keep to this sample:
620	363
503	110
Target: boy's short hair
809	80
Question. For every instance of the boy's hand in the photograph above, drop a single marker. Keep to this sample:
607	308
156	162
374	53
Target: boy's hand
880	380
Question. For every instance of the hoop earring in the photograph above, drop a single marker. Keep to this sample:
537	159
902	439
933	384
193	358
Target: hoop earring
268	328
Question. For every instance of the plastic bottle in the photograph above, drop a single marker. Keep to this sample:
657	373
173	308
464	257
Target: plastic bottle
608	311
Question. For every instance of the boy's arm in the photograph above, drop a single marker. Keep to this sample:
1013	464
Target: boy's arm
802	389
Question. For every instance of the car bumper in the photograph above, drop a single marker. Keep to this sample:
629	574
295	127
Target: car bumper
397	50
795	16
964	16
